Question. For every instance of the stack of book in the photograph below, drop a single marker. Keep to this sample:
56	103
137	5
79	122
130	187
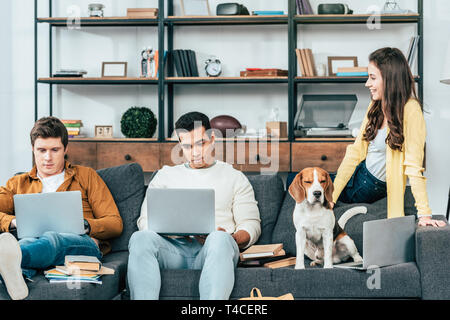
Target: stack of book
305	60
60	274
304	7
352	72
185	63
73	127
78	269
267	255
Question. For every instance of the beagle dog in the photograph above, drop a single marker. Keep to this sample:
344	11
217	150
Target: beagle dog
319	235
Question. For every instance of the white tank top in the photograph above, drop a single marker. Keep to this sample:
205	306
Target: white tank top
376	155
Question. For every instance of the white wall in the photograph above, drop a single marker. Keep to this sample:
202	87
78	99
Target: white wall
237	46
5	93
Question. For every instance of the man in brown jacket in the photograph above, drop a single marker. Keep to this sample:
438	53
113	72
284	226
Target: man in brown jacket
52	173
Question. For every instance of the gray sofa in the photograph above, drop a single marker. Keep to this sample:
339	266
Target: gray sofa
426	278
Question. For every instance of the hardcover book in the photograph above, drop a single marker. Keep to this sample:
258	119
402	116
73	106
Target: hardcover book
261	251
89	263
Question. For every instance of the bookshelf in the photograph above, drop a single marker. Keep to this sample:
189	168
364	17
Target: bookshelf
167	24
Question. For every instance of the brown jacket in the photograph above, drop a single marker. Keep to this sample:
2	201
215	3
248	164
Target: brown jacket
99	208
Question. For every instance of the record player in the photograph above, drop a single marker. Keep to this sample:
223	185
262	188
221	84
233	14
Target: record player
324	115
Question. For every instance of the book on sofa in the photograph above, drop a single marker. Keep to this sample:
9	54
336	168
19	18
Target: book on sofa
262	262
262	251
89	263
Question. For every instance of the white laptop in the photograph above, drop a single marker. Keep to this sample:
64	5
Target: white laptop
181	212
37	213
386	242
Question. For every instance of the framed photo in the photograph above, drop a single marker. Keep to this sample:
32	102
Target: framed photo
340	62
114	69
103	132
195	8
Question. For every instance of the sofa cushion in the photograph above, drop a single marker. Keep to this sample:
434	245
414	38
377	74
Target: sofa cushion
269	192
183	284
399	281
42	289
284	230
126	184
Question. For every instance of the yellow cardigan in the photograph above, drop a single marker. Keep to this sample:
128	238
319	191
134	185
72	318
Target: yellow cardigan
399	164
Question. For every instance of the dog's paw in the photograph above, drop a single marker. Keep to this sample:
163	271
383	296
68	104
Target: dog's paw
328	266
358	258
315	263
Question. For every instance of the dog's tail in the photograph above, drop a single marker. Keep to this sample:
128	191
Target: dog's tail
349	214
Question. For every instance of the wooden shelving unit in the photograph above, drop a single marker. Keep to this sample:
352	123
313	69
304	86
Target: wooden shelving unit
167	24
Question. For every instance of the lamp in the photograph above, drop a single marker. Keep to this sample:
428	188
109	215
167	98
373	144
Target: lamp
445	77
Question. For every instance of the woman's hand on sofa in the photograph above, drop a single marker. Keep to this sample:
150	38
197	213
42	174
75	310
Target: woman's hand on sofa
428	221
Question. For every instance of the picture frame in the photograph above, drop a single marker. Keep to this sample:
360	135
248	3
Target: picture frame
114	69
340	62
104	132
195	8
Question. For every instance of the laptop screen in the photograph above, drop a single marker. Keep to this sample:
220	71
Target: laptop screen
325	111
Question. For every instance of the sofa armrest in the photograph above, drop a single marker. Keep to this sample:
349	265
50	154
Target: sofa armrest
433	260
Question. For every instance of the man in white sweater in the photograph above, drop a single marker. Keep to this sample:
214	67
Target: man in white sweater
237	220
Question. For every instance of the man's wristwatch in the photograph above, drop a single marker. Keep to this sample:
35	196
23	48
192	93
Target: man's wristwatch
87	227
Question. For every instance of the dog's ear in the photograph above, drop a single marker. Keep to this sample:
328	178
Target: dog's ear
296	189
329	188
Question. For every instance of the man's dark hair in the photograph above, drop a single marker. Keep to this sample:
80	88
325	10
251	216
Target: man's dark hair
188	120
49	127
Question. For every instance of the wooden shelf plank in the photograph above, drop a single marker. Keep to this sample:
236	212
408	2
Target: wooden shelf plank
336	79
224	20
356	18
96	21
333	139
227	79
113	139
240	140
98	80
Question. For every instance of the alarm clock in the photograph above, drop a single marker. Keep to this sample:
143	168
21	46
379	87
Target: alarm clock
213	67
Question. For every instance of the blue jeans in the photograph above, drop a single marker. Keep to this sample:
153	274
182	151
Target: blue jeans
51	248
150	252
363	187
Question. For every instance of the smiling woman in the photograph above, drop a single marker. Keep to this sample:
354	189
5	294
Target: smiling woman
390	146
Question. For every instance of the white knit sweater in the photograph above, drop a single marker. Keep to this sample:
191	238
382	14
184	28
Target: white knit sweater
235	204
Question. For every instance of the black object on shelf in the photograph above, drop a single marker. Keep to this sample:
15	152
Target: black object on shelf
333	8
231	9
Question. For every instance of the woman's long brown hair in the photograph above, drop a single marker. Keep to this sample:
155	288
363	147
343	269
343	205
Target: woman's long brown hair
399	87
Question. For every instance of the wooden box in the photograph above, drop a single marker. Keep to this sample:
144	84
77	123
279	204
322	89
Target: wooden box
143	13
277	129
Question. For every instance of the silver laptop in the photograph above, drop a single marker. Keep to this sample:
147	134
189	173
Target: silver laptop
37	213
386	242
181	212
